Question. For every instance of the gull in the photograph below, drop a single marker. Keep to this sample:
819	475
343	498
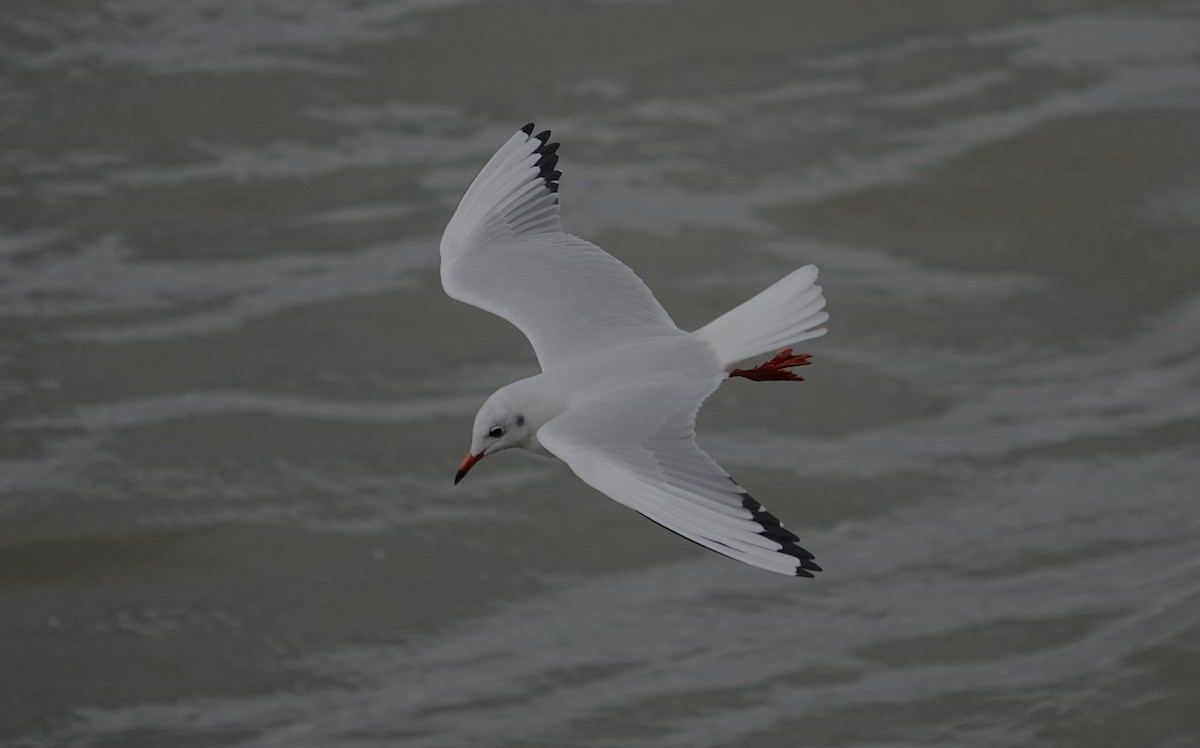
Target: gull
621	384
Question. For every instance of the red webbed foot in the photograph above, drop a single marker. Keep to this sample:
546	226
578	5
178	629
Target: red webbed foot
776	370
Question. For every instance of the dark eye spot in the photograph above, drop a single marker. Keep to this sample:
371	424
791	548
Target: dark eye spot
520	420
496	432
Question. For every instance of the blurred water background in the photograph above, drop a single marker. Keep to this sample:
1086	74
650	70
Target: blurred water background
233	395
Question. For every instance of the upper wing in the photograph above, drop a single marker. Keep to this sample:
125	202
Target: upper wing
504	251
638	446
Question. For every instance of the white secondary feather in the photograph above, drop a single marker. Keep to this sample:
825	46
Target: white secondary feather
620	384
504	251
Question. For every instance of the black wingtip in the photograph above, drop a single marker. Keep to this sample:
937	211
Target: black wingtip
804	557
547	159
778	534
528	129
768	521
772	529
546	165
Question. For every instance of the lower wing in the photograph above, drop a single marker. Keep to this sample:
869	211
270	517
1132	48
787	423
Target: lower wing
637	445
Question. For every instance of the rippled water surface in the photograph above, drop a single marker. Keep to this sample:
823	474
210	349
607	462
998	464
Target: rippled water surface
232	393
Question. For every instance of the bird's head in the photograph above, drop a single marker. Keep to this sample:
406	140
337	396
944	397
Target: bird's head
499	425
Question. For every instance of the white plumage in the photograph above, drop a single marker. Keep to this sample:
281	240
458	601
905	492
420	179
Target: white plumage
620	384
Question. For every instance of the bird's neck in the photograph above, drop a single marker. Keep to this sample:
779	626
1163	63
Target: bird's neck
539	398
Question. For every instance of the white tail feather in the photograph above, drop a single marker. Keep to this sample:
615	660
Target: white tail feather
781	316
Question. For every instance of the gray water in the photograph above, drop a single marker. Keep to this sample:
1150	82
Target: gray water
233	395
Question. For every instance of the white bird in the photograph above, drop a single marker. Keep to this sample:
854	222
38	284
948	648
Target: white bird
620	384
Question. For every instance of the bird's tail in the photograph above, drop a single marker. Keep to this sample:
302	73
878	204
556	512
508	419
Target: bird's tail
785	314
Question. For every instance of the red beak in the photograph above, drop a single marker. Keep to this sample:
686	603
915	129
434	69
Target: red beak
467	463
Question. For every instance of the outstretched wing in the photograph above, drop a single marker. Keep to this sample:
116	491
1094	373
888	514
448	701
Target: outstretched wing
504	251
638	446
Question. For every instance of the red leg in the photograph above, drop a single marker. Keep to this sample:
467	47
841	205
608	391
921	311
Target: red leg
776	370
